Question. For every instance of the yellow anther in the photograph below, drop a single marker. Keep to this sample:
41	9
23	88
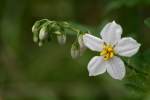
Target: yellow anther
105	58
107	52
111	54
110	49
104	52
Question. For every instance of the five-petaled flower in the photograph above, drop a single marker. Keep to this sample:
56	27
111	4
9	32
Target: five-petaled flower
109	47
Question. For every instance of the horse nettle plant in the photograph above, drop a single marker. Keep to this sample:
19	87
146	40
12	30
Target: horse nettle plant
44	30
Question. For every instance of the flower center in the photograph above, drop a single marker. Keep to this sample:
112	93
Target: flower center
107	52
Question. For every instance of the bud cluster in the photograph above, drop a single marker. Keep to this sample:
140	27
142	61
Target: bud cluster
43	30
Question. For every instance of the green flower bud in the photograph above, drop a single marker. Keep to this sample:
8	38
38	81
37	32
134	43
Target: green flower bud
61	39
65	24
35	38
40	43
43	34
55	27
58	32
75	51
80	41
36	26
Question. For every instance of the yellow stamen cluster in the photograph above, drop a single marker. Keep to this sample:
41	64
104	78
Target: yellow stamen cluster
107	52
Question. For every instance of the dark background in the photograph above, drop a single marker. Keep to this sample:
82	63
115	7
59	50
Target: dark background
28	72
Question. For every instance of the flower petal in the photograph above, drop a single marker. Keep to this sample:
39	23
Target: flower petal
111	33
116	68
96	66
127	47
92	42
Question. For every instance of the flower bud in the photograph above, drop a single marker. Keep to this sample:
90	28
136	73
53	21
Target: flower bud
37	25
43	33
61	39
35	29
65	24
58	33
75	51
35	38
80	41
40	43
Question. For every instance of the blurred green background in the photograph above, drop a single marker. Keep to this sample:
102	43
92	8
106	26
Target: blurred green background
28	72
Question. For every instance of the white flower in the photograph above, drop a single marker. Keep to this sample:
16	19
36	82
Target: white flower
109	47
